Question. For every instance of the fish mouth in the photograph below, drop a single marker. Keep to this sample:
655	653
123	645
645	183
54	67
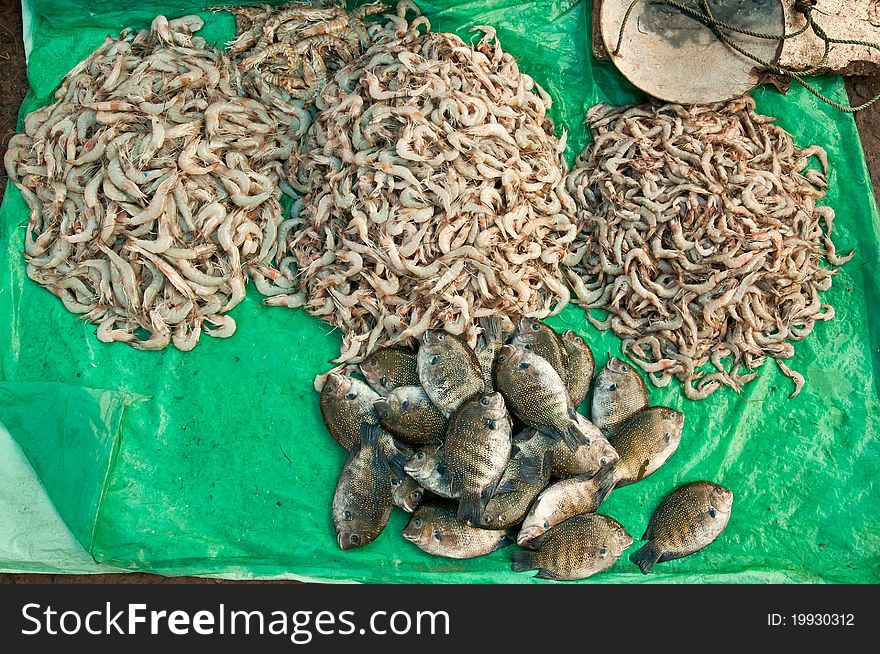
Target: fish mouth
382	406
611	457
429	337
527	534
337	384
617	365
412	538
524	324
510	352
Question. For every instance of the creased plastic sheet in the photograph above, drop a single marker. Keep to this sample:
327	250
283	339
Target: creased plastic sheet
216	461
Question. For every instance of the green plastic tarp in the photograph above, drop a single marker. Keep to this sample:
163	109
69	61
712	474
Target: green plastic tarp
216	461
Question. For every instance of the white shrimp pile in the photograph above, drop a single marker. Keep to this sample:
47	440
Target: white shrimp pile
701	236
287	52
153	189
433	194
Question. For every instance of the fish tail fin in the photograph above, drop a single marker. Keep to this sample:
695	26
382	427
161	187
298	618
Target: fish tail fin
370	433
397	454
523	560
492	328
509	486
607	481
574	436
470	509
646	557
531	470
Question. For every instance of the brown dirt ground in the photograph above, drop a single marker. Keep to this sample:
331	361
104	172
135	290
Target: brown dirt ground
13	86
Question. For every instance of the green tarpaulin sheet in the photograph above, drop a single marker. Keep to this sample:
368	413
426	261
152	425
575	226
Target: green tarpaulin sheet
216	461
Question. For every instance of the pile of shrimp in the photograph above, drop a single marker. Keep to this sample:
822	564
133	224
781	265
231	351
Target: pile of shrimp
287	52
433	193
153	189
700	234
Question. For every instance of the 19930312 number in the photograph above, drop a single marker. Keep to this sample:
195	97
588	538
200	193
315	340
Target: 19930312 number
811	620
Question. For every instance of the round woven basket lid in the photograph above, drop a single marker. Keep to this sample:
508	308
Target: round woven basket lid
676	58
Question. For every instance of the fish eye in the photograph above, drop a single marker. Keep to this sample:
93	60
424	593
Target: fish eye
351	396
528	346
624	368
535	327
491	424
396	482
354	538
603	551
441	336
346	515
524	365
404	404
420	456
383	380
667	437
613	387
416	495
374	361
434	360
438	536
417	523
712	512
484	401
603	461
487	519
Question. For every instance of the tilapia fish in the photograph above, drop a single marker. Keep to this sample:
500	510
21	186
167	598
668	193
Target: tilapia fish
688	520
408	413
347	406
575	549
389	367
476	452
618	393
537	395
427	469
448	370
581	367
542	340
643	443
525	475
406	493
363	499
559	502
435	529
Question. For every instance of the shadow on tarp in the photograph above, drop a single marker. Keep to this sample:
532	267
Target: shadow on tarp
216	461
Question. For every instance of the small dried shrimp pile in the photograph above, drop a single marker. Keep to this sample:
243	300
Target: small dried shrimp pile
433	192
153	188
287	52
700	234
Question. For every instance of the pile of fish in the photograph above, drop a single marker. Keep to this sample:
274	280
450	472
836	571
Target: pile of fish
433	195
287	52
699	232
485	446
153	189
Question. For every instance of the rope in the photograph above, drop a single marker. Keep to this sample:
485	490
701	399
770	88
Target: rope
722	29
